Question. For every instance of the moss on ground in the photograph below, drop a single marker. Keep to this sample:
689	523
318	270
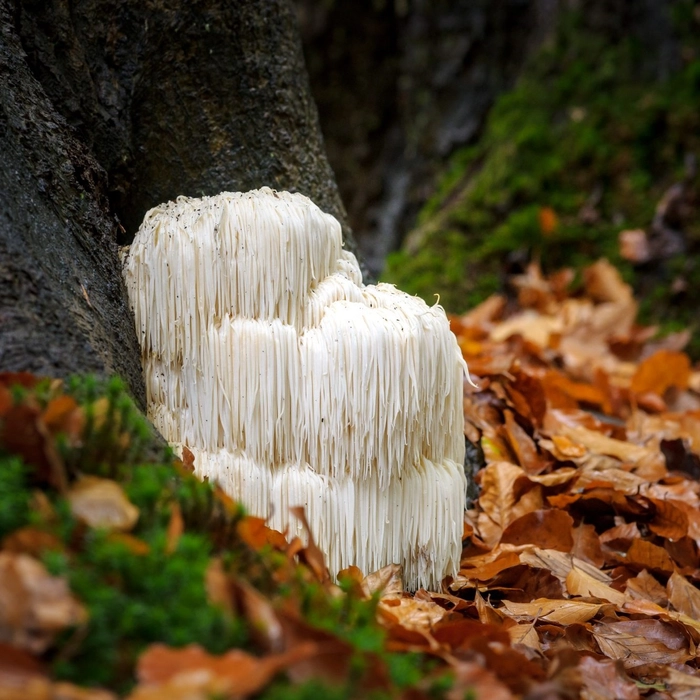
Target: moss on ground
147	586
580	132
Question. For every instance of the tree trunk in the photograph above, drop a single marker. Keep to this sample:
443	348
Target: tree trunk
109	108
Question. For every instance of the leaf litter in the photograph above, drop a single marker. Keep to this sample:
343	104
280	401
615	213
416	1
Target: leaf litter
580	569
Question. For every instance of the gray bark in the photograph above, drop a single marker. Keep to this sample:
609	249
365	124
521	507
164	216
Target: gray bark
109	108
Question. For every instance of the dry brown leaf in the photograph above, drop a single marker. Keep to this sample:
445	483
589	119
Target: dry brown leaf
488	567
63	415
525	634
604	283
34	606
564	612
645	587
669	522
581	583
523	446
605	678
102	503
412	614
257	535
236	672
681	686
534	327
387	581
683	596
661	371
498	499
472	677
560	564
265	628
176	526
31	540
649	556
311	555
638	642
600	444
548	529
587	545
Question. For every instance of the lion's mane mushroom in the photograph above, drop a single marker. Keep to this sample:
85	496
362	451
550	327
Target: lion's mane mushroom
294	384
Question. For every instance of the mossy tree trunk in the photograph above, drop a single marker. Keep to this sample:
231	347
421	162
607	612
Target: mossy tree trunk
108	108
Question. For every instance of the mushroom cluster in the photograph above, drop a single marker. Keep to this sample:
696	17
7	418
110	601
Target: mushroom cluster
293	384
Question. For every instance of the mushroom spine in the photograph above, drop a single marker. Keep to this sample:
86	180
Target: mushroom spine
294	384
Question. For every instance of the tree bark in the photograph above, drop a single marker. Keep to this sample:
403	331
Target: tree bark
109	108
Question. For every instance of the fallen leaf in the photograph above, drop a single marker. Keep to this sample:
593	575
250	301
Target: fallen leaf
581	583
31	540
586	545
102	503
265	628
63	415
486	570
413	614
669	521
638	642
176	526
497	499
548	529
649	556
311	555
564	612
34	606
634	246
661	371
523	446
194	669
645	587
683	596
387	581
605	678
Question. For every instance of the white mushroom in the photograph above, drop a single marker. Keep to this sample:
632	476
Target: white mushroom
294	384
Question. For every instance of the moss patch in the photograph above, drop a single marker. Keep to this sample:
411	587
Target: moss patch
583	138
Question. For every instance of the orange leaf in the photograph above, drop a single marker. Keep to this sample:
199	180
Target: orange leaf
253	532
649	556
669	521
549	529
523	446
236	672
311	555
176	526
664	369
548	221
488	570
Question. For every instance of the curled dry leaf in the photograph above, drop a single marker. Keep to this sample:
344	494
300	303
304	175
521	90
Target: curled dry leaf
661	371
34	606
581	583
684	596
192	672
102	503
564	612
548	529
638	642
605	678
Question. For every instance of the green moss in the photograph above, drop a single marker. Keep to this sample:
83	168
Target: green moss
14	495
138	590
580	125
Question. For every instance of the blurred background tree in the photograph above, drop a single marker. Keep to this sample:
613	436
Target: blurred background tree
469	138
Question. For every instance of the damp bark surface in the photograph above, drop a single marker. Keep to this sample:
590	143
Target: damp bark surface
110	108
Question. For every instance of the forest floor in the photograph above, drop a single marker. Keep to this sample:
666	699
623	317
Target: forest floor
578	577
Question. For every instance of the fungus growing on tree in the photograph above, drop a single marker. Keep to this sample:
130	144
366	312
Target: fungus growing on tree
293	384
